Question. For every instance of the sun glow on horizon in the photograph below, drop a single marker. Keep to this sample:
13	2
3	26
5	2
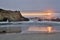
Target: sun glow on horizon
31	14
39	14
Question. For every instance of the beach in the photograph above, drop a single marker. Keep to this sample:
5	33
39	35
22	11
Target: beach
36	36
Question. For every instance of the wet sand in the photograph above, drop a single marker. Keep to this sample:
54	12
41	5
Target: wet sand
29	36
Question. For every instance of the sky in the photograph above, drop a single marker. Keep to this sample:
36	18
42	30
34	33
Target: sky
24	5
30	5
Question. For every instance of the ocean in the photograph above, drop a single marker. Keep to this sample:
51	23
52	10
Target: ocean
24	35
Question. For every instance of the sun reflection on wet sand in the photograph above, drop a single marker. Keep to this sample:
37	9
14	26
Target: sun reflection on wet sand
47	29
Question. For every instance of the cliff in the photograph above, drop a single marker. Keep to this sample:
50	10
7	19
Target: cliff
11	16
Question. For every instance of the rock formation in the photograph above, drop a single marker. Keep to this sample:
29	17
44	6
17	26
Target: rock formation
11	16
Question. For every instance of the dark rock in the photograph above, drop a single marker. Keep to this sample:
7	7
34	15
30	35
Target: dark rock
39	19
57	19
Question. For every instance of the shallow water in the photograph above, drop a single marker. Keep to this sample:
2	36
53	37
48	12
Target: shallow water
25	25
31	36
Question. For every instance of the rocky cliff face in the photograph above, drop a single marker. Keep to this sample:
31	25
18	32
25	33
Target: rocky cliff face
11	16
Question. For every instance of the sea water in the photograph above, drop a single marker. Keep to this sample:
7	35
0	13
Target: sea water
32	36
